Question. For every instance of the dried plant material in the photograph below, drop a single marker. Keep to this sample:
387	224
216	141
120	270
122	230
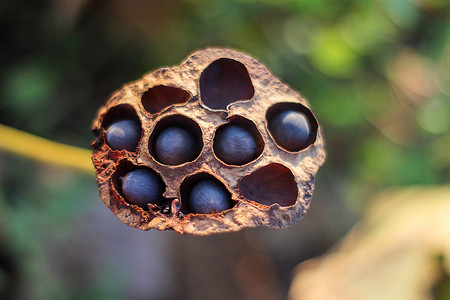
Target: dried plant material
391	254
188	116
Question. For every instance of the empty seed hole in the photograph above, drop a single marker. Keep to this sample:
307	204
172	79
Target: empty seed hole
202	193
292	126
123	128
238	142
157	98
223	82
175	140
138	185
271	184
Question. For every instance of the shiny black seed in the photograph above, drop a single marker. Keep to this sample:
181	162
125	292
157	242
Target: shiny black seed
141	187
290	129
234	145
123	135
175	146
209	196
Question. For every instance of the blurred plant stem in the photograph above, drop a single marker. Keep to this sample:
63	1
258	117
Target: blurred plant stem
45	151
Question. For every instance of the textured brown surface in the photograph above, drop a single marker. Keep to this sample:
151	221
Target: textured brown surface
278	193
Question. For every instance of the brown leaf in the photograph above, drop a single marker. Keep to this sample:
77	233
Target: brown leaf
390	254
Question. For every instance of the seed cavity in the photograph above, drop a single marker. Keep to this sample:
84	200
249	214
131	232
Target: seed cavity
270	184
158	98
225	81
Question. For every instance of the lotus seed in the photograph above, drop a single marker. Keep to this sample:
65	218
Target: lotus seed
174	146
141	187
234	145
209	196
290	129
123	135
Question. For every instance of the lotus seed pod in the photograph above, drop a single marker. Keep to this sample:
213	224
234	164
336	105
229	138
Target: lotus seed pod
175	146
142	187
234	145
230	147
290	129
209	196
123	135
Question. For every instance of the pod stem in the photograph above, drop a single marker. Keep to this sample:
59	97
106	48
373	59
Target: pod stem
45	151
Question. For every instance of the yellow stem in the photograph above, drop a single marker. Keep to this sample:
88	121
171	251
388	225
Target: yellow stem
45	151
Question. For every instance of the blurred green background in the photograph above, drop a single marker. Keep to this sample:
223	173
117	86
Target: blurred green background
377	76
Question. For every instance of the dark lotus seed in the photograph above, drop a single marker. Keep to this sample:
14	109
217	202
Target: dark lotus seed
175	146
290	129
209	196
234	145
141	187
123	135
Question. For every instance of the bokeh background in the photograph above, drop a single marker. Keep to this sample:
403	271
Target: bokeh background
377	76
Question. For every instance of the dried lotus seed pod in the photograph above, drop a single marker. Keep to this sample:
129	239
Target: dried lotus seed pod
220	144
